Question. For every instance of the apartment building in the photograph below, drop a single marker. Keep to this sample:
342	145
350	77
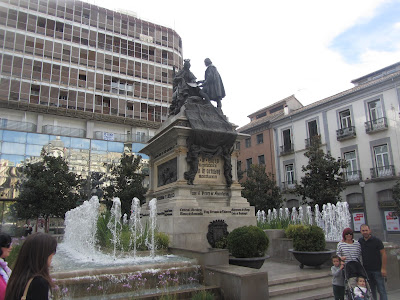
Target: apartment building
258	147
361	125
93	81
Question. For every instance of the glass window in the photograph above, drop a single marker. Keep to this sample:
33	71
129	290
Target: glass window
289	174
261	160
136	147
13	160
248	142
99	145
260	138
66	140
345	119
382	160
287	140
80	143
37	139
33	150
375	110
249	162
13	148
352	169
14	136
115	147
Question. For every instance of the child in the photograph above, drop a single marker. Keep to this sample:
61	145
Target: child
360	290
338	278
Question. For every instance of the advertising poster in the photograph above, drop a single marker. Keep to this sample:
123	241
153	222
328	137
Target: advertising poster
358	220
392	221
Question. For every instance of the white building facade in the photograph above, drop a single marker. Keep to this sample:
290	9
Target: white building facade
361	125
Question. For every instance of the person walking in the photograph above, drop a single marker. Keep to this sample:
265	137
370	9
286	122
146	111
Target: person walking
374	260
5	272
31	276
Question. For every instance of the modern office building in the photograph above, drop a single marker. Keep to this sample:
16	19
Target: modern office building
360	125
78	77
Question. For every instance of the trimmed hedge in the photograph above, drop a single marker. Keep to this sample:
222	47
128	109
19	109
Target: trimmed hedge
247	241
306	238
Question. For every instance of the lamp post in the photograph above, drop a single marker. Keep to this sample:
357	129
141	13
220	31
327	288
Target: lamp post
362	186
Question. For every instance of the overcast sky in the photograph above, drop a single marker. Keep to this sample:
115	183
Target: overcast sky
268	50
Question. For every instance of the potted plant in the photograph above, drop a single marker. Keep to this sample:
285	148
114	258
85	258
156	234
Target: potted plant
308	245
247	246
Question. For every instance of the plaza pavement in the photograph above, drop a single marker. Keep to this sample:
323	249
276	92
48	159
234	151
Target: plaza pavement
277	269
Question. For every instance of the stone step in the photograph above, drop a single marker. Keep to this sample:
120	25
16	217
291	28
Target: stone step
296	277
315	294
295	287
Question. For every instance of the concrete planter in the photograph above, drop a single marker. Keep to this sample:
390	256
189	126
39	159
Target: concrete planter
250	262
312	259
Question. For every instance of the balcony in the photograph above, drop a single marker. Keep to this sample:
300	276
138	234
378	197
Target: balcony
311	140
346	133
288	186
383	172
286	149
376	125
119	137
17	125
64	131
352	176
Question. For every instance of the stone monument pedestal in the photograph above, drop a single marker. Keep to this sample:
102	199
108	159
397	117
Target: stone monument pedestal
185	210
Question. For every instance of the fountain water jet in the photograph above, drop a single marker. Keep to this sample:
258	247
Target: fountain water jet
114	224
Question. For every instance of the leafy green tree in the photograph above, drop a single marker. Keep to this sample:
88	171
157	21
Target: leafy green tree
48	189
396	197
260	189
126	182
323	176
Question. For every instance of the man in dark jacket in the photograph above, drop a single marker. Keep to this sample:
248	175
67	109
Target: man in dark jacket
212	84
374	261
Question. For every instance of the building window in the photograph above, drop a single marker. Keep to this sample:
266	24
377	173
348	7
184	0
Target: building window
375	110
287	140
382	160
352	169
312	128
261	160
260	138
248	142
249	162
289	175
263	114
35	90
345	119
238	146
82	77
63	95
239	165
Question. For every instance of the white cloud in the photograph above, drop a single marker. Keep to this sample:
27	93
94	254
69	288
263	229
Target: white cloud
267	50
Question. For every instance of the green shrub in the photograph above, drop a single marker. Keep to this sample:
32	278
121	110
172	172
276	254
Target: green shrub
307	238
292	228
203	295
274	224
161	240
248	241
103	234
222	243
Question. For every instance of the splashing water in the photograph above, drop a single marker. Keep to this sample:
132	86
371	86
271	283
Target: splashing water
114	224
81	226
153	223
135	225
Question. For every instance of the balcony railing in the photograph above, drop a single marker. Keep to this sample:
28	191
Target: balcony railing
286	149
352	176
119	137
65	131
346	133
376	125
17	125
385	171
313	139
288	185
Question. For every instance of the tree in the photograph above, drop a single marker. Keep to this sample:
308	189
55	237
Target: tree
396	197
323	176
260	189
48	189
126	182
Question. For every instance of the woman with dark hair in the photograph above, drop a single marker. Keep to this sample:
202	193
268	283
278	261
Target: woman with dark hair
33	262
5	272
348	249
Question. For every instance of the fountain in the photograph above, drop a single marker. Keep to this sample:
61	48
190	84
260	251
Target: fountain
333	218
80	269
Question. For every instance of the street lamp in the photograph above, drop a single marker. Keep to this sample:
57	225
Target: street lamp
362	186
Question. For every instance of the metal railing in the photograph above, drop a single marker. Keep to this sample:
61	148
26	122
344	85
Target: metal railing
345	133
119	137
385	171
288	185
65	131
17	125
376	125
287	149
352	175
